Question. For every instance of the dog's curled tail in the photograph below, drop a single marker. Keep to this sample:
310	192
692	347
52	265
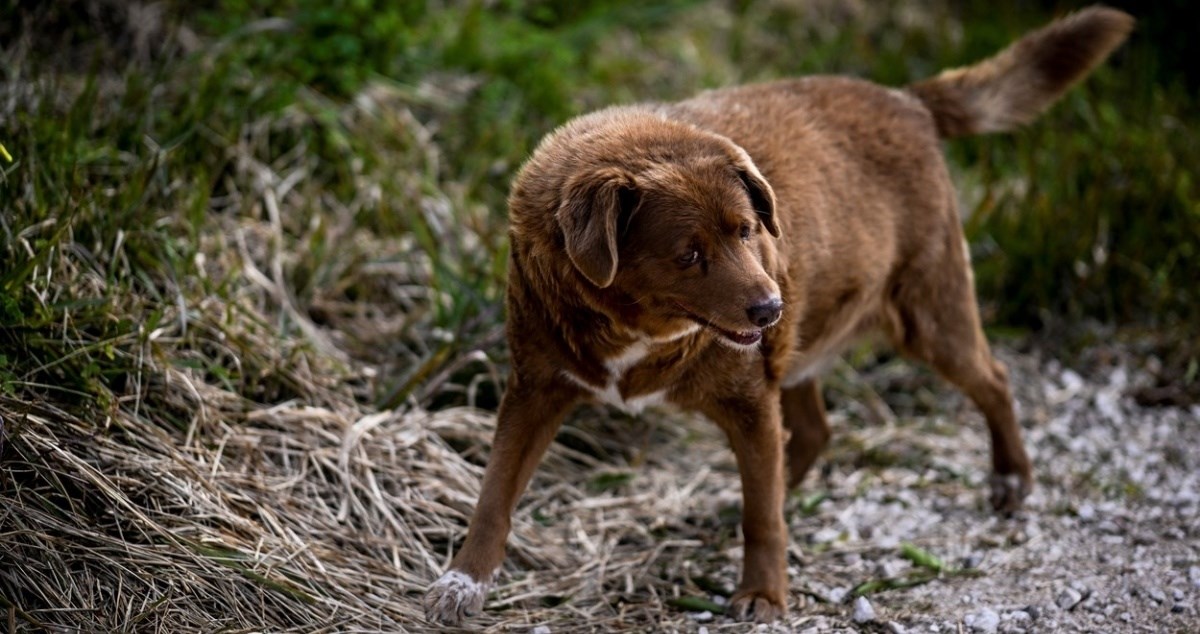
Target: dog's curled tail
1014	86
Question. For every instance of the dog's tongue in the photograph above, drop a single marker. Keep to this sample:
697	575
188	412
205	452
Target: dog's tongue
744	338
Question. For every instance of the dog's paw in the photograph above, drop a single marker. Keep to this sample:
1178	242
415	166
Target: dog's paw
1008	490
454	596
757	605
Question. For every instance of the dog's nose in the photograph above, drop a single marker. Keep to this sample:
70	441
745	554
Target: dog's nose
766	313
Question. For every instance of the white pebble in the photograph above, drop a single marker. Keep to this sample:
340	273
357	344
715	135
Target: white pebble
863	612
1018	616
984	621
1068	599
1157	595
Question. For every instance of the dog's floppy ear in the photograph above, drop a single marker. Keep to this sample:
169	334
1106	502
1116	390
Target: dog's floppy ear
591	208
761	194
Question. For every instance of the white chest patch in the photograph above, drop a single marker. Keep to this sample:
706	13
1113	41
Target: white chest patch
618	365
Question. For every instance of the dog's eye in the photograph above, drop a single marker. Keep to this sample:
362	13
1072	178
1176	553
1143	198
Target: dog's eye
689	258
745	232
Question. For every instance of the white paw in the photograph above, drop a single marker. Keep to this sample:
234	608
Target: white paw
454	596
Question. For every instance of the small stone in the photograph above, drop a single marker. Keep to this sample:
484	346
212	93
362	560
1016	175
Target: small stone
1068	599
702	630
890	568
1086	512
984	621
1108	404
837	594
1157	595
1144	538
1018	616
1194	576
1177	594
1126	616
1082	588
896	628
826	536
701	617
972	561
863	612
541	629
1071	382
1033	611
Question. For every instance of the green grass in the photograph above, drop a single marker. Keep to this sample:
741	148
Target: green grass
226	201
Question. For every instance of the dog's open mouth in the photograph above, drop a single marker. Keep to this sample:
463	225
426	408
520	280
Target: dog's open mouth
738	337
746	338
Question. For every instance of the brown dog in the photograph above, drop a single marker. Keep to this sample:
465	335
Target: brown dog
716	253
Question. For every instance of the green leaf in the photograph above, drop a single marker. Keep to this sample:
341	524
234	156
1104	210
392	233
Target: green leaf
696	604
808	506
610	481
921	557
891	583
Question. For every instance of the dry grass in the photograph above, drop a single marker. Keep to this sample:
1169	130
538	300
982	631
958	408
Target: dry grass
332	518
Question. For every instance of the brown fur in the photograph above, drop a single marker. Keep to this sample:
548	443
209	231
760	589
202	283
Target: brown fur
1015	86
818	209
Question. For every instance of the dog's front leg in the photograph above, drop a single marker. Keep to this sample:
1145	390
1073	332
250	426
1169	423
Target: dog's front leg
755	432
528	419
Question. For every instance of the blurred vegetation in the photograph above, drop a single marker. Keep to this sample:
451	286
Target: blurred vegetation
193	179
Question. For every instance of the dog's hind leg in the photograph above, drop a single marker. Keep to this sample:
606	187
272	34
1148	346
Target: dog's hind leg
985	381
528	419
938	322
804	417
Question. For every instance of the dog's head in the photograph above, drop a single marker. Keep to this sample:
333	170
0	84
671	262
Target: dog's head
685	228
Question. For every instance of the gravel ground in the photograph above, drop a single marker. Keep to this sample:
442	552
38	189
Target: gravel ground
1108	542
